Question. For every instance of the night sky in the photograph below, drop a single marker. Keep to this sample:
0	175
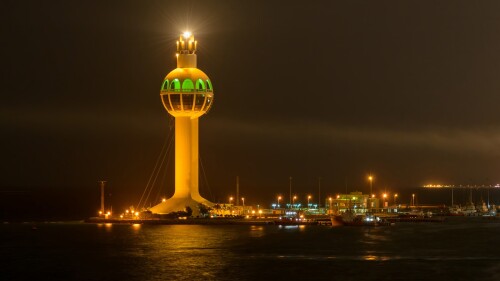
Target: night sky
406	90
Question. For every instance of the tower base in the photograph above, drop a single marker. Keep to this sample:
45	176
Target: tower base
179	204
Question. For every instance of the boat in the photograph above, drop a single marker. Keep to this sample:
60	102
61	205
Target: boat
350	219
294	221
415	216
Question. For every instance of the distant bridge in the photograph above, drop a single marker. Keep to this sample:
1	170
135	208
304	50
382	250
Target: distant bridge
462	186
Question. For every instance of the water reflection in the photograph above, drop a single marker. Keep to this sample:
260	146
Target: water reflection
256	231
179	252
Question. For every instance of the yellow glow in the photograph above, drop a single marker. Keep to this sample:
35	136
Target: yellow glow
109	213
121	216
136	214
396	195
253	212
385	195
309	197
186	34
370	178
294	197
260	211
163	200
279	197
373	195
338	196
100	213
330	198
126	211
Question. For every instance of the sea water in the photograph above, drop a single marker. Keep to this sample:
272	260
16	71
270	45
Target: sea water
458	249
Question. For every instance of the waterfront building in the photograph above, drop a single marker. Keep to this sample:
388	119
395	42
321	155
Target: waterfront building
187	94
355	202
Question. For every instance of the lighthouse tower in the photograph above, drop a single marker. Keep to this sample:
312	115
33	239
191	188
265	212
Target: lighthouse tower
186	94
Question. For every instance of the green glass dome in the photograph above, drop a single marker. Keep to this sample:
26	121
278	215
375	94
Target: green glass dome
187	92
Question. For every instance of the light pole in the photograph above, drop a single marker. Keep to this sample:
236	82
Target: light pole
279	198
395	197
370	178
293	200
385	199
330	199
319	192
413	199
308	198
243	201
290	192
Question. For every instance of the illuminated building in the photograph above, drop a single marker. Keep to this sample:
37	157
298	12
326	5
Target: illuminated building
186	94
356	202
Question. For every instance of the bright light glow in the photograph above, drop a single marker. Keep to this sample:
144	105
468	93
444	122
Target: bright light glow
136	214
186	34
385	195
370	178
126	211
163	200
309	197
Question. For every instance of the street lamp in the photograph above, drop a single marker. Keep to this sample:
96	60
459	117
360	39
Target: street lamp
293	200
395	197
243	200
370	178
279	198
330	199
385	200
413	199
308	198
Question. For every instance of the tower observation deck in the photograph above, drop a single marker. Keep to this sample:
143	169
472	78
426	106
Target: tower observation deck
187	94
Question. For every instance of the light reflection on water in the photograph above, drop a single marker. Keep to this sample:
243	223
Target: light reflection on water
231	252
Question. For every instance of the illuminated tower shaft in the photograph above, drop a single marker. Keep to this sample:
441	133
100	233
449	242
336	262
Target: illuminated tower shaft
186	94
186	158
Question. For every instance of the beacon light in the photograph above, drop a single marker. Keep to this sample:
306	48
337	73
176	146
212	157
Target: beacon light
186	34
